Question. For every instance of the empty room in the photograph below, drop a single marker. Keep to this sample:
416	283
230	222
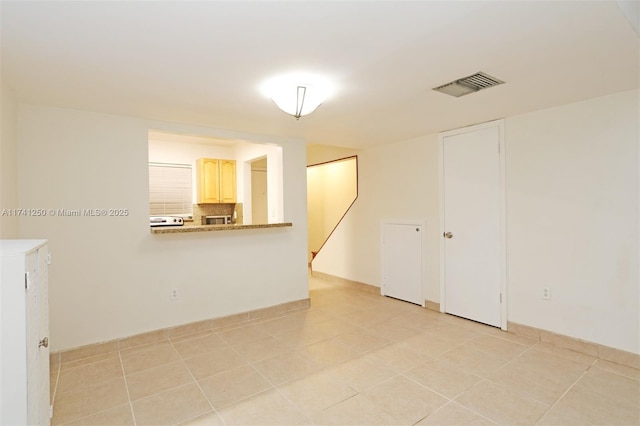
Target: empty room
320	212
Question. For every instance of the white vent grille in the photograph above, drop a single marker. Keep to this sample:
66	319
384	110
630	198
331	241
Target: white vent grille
469	84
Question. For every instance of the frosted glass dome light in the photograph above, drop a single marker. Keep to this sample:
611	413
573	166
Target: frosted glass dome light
296	94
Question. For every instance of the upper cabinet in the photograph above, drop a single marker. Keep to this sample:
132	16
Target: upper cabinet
215	181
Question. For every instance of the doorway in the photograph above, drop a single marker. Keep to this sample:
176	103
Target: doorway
472	228
259	191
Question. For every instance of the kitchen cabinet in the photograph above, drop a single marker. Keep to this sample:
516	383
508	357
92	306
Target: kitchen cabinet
24	331
215	181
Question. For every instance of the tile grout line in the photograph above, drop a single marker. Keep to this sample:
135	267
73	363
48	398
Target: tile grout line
198	385
566	392
126	386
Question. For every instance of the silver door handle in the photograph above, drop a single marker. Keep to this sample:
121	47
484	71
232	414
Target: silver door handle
44	342
447	235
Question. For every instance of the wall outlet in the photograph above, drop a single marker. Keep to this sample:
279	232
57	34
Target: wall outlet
546	293
174	295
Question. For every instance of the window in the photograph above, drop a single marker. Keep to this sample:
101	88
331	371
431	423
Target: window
170	191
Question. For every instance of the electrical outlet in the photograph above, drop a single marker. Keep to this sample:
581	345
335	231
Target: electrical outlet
546	293
173	295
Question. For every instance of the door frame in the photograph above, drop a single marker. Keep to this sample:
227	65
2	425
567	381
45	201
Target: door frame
423	272
502	209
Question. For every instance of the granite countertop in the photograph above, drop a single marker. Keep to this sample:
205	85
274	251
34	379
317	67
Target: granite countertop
210	228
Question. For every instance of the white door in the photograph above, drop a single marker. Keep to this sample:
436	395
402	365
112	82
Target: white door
402	262
471	223
43	336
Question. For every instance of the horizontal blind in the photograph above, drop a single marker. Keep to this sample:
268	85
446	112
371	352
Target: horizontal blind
170	190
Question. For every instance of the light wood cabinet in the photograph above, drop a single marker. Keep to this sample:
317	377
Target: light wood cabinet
215	181
24	336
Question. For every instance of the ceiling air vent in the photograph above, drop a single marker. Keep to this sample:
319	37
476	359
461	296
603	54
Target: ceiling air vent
470	84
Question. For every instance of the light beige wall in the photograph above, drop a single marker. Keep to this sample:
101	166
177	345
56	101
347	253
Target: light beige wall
315	209
331	189
572	217
317	154
8	164
396	182
110	276
340	190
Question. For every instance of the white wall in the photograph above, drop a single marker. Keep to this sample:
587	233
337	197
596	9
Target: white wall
110	276
395	182
245	153
572	217
8	164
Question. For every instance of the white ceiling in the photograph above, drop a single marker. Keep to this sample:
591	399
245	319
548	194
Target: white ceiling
203	62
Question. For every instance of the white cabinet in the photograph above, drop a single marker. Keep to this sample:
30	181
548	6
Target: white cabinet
24	333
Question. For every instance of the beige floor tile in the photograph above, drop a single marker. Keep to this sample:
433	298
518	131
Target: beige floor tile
89	360
454	414
157	379
149	356
171	407
394	330
368	318
581	406
266	408
143	339
430	344
399	357
89	374
316	392
302	337
515	338
209	419
243	334
405	400
214	362
362	341
479	363
89	400
565	353
120	416
362	373
618	356
178	339
199	346
88	351
259	349
443	377
284	324
450	331
328	352
623	370
230	386
356	411
502	405
611	384
495	346
286	367
334	328
377	361
542	376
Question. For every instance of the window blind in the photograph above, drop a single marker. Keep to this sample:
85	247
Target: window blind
170	189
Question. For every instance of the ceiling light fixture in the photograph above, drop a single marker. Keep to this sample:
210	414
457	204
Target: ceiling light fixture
297	94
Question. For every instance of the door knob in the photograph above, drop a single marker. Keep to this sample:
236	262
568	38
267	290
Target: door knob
447	235
44	342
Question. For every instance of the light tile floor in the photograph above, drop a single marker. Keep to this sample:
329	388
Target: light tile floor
353	358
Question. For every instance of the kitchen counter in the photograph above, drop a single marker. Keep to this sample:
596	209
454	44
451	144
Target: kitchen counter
211	228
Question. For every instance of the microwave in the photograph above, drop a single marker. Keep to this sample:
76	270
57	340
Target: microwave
217	220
